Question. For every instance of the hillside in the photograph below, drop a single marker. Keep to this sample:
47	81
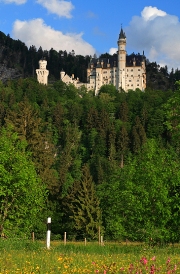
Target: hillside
19	61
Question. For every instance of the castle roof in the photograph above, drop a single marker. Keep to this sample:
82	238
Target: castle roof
112	61
122	34
137	58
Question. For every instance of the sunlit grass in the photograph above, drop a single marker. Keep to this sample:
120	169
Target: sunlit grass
26	257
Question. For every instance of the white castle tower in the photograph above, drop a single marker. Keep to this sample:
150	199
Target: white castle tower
42	72
120	80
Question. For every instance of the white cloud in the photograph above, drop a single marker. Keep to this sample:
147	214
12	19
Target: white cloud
36	32
60	7
158	34
113	50
17	2
149	13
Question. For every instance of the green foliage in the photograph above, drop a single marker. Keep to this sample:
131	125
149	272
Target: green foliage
137	204
84	206
22	194
65	128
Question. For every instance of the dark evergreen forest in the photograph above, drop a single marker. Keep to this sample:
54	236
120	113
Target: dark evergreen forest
110	161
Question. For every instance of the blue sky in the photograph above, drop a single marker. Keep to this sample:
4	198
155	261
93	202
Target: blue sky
90	27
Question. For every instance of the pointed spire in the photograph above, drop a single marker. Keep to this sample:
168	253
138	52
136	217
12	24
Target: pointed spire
122	34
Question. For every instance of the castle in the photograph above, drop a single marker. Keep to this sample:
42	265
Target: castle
121	70
42	72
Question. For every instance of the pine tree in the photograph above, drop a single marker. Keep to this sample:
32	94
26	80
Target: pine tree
29	126
122	145
84	206
138	135
122	138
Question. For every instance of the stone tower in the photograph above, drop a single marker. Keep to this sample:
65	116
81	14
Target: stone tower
62	74
42	72
121	67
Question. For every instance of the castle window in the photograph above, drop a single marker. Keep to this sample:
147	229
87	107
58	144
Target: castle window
129	80
131	75
139	70
131	85
131	69
138	85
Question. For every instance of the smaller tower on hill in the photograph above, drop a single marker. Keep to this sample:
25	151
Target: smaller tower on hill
42	72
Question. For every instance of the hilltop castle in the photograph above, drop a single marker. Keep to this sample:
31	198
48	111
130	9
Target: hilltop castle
121	70
42	72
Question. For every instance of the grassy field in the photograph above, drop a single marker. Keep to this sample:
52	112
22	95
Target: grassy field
20	256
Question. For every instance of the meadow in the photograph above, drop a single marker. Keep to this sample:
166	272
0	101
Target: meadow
24	256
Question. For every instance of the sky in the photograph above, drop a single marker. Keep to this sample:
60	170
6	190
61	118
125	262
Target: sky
92	27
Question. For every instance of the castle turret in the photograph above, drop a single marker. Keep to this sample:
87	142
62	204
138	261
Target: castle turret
120	83
42	72
62	74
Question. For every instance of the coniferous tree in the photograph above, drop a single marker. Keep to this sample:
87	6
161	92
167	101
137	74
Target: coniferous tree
84	206
122	138
122	145
29	126
138	135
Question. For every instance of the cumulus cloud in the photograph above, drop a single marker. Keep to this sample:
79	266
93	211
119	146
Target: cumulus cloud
17	2
59	7
36	32
158	34
112	51
149	13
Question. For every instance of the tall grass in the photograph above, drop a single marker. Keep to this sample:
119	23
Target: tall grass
25	256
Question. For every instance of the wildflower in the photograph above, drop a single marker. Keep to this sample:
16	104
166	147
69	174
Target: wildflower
131	267
60	259
168	261
152	270
144	260
153	258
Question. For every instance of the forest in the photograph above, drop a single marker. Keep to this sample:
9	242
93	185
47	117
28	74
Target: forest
110	161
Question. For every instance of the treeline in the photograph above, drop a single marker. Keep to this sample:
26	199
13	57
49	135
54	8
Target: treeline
110	161
15	54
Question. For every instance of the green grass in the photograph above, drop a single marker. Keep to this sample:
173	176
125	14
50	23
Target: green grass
25	256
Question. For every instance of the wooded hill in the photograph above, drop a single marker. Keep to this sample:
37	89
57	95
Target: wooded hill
110	161
17	60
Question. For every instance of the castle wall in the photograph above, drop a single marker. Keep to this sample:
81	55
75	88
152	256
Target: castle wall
123	71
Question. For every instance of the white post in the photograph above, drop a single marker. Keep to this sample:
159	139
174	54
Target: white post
48	232
64	238
101	240
85	241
